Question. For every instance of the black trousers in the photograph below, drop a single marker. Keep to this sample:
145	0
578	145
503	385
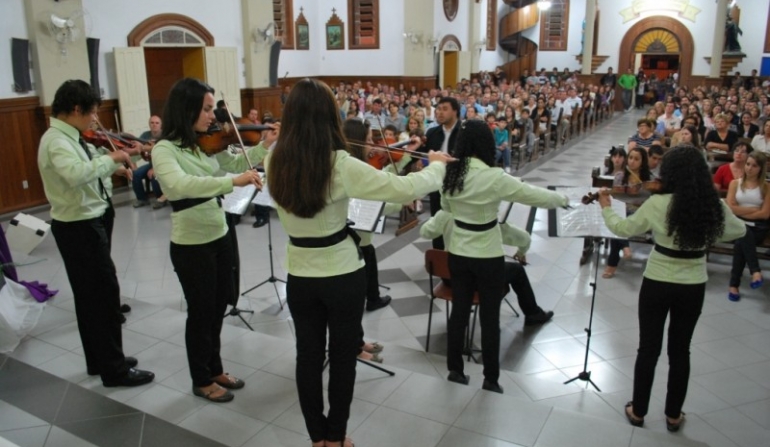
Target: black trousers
372	277
205	272
85	249
469	275
745	253
335	303
435	207
516	276
658	300
616	246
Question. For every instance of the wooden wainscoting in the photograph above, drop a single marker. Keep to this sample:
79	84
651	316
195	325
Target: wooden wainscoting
266	99
21	126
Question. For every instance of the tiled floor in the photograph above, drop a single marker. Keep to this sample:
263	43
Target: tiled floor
47	399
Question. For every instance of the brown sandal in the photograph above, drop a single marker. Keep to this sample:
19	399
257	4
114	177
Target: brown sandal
226	397
229	382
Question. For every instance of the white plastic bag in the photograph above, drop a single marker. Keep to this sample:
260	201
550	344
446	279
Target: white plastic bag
19	313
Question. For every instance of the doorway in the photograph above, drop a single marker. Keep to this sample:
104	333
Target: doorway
451	68
165	66
660	64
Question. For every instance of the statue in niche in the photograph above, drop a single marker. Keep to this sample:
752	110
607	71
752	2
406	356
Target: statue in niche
732	30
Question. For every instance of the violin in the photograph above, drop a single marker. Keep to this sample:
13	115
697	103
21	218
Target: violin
105	139
380	159
652	186
145	154
217	138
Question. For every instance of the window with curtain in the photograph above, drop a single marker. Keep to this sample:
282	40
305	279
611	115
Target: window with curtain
363	24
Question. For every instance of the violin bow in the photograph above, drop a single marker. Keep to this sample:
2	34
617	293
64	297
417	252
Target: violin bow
237	133
106	134
382	135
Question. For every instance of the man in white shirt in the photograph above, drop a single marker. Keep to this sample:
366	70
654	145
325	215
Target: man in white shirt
375	116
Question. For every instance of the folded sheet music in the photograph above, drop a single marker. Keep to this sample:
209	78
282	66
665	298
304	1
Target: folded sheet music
263	197
238	201
581	220
365	213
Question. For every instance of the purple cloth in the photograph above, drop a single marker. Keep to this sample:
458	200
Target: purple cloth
38	290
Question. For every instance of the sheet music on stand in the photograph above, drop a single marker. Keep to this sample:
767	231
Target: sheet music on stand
580	220
263	198
365	213
237	201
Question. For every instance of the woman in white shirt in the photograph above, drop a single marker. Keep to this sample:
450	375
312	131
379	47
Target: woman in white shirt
761	141
749	199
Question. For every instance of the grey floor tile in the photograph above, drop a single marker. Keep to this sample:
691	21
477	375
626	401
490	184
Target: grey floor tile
738	428
12	418
278	437
568	428
80	404
116	430
216	422
166	403
27	437
649	438
417	305
388	276
158	433
504	417
386	427
423	396
31	390
265	396
456	437
60	438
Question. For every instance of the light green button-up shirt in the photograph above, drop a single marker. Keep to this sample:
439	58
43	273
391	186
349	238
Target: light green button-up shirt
651	216
478	203
70	179
184	174
350	178
442	224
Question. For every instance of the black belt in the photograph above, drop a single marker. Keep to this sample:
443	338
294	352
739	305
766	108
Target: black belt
183	204
328	241
680	254
476	227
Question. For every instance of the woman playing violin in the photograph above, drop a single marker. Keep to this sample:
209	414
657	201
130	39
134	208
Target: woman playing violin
202	250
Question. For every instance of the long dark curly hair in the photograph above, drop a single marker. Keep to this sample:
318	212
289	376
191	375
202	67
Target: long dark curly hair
474	139
695	216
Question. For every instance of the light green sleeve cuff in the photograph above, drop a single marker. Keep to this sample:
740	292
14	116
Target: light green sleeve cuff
516	237
230	162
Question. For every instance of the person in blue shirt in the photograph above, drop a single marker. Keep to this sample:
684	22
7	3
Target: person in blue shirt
501	143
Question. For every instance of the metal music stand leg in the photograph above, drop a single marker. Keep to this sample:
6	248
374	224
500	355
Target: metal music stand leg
586	375
369	364
235	312
272	279
384	287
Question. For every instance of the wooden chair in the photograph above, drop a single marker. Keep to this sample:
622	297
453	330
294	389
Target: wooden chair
437	265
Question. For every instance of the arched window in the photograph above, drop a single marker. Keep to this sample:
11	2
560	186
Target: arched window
364	24
175	36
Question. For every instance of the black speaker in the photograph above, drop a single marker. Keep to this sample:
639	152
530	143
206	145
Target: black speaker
93	62
20	59
275	51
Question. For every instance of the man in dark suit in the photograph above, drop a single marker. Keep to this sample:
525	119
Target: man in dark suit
442	138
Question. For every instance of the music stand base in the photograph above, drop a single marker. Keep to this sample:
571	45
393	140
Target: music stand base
271	279
235	312
585	376
369	364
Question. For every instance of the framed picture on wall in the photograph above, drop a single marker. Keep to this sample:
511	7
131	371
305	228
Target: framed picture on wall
303	37
335	33
303	34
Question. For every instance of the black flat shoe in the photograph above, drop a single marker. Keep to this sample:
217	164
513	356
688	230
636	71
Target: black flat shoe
632	419
457	377
378	304
259	223
130	361
134	377
492	386
540	318
673	427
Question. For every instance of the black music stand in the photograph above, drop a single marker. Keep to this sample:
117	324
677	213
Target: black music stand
234	311
553	219
369	364
272	279
586	375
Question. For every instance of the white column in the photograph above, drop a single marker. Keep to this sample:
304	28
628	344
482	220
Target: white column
588	37
717	46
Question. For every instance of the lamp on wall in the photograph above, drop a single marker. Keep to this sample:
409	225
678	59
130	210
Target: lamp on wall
543	5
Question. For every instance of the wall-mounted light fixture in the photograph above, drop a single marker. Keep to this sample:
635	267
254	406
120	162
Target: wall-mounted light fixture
543	5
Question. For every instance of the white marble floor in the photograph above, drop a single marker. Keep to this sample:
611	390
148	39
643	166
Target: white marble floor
728	401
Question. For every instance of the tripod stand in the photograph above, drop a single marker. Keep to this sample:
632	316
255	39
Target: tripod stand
586	375
271	279
369	364
232	220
